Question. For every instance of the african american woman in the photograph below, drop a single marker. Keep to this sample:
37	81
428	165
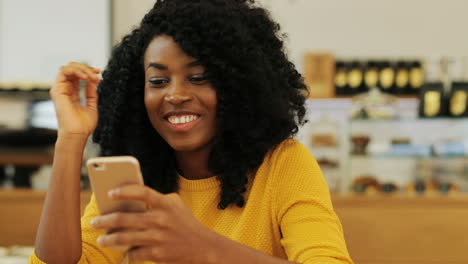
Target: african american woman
204	96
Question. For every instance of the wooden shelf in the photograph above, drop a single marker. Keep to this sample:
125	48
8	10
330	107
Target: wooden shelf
32	157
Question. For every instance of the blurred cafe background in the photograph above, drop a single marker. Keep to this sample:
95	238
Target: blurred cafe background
388	113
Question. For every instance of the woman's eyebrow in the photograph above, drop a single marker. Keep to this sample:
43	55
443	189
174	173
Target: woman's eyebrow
157	66
164	67
193	64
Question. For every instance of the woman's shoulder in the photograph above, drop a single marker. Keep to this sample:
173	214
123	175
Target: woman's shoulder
292	171
288	157
292	161
290	149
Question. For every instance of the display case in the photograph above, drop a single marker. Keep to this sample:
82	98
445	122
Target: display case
401	153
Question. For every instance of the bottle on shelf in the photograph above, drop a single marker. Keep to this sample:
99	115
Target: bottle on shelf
416	77
431	100
402	78
340	78
446	76
371	75
386	77
458	100
355	78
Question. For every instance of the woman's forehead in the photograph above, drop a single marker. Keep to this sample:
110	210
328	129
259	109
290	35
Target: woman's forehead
164	49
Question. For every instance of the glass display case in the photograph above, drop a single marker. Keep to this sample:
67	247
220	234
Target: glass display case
398	154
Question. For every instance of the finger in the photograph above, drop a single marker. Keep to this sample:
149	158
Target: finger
138	192
145	254
86	69
119	220
67	82
129	238
69	73
91	95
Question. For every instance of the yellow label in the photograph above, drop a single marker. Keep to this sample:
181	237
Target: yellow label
355	78
458	103
431	103
371	78
416	78
401	79
340	79
387	77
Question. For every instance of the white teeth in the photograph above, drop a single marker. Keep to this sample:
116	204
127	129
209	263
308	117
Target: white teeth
182	119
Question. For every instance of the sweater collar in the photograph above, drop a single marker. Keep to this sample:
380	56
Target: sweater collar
198	185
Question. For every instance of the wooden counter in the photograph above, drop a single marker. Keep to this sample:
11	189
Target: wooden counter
416	230
20	210
378	230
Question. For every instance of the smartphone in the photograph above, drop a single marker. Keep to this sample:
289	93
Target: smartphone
107	173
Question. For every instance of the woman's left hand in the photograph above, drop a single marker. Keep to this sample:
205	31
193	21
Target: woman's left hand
167	232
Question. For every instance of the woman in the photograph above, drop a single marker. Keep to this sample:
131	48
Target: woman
204	96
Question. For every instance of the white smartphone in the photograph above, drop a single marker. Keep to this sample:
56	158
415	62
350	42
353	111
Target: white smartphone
107	173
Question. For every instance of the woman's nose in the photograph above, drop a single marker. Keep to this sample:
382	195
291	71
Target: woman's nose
178	94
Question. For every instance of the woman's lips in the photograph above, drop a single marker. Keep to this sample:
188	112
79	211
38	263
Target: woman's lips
182	127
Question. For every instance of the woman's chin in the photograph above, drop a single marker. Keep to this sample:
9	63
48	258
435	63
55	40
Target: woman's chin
184	146
188	145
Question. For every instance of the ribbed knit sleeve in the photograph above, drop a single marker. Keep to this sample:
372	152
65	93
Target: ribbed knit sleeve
91	252
311	231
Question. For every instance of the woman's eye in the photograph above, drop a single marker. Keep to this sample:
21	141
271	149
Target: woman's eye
199	79
158	82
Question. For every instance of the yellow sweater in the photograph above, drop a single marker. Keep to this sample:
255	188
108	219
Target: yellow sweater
288	213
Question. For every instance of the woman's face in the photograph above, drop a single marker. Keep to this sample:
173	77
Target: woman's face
179	99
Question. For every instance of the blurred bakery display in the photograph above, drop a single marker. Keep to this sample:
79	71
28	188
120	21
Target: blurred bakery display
397	152
403	122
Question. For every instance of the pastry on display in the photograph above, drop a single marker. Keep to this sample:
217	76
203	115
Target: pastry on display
431	187
359	144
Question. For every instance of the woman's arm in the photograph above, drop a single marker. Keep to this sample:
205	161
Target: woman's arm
228	251
58	238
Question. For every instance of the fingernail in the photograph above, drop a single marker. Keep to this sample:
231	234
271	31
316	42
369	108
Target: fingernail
100	240
113	193
93	222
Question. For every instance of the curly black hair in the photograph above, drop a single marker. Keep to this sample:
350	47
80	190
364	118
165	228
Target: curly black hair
260	94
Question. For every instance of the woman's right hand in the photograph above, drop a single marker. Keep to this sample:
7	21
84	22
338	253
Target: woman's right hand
75	119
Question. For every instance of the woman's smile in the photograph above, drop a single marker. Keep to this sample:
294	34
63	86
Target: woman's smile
182	122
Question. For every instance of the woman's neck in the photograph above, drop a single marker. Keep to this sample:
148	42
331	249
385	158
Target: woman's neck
193	165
